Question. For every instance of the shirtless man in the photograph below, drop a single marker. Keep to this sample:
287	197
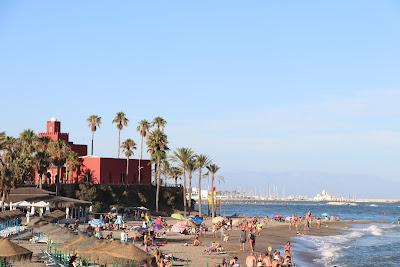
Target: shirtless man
275	262
267	260
251	260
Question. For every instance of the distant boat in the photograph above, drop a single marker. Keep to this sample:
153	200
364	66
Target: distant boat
338	203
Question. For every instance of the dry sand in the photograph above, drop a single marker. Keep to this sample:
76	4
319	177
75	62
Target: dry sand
275	234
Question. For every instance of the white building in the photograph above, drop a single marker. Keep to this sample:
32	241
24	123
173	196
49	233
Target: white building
324	196
195	194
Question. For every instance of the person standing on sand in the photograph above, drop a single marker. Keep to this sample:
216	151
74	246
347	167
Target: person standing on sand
252	240
251	260
318	223
288	247
242	239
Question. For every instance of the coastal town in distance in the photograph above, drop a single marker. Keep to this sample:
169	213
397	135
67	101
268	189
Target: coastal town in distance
199	133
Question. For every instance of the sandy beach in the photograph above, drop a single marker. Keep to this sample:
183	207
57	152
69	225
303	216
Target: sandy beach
274	234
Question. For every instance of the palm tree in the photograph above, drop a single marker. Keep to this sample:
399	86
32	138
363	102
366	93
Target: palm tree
58	154
159	123
175	172
94	122
2	139
182	156
42	158
156	146
201	162
191	168
27	146
165	169
42	163
212	168
128	146
121	121
8	155
143	129
72	164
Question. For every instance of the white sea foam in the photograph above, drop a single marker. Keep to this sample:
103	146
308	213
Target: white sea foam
374	230
330	247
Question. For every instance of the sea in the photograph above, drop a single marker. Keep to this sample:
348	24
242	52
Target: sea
374	243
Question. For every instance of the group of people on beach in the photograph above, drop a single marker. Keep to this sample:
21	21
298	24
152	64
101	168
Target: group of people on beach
271	259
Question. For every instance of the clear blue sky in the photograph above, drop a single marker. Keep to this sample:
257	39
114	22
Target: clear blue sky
272	87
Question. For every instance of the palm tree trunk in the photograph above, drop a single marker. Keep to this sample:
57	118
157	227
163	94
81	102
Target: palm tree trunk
127	169
119	142
184	192
92	142
40	180
158	183
66	172
212	196
140	159
199	188
58	178
190	192
3	198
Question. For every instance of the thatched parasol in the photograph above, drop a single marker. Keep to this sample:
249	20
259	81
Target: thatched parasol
12	251
127	252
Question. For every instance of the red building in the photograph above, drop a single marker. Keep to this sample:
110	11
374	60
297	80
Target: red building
102	170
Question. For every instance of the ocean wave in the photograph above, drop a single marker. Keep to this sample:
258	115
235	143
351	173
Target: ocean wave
330	248
374	230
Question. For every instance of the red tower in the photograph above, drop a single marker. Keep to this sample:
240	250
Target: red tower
53	132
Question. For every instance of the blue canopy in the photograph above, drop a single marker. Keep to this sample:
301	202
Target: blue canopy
96	222
196	219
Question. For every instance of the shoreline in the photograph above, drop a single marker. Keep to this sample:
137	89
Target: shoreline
275	234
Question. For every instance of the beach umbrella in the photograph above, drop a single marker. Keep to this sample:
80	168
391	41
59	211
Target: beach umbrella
325	214
179	226
119	220
24	204
116	250
12	251
277	216
96	223
177	216
196	220
40	204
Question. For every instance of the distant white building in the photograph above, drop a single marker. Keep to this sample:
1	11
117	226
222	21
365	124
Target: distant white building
195	194
324	196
